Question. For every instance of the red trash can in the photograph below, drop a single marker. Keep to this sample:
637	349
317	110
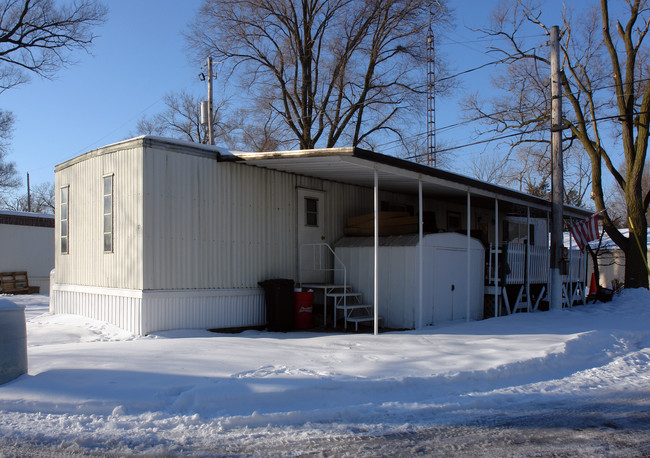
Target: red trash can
303	301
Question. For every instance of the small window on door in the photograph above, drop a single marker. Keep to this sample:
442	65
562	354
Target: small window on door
311	212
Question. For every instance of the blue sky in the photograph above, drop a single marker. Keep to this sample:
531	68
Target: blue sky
140	56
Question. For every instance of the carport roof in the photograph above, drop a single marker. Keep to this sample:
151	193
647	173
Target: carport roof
357	166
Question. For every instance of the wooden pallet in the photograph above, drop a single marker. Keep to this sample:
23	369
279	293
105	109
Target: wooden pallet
14	283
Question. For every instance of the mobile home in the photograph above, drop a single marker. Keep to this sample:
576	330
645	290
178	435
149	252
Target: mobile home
154	233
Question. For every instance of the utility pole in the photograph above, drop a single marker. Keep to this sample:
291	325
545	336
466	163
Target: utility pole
557	180
210	104
29	195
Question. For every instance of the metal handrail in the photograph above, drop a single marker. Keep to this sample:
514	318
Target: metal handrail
317	266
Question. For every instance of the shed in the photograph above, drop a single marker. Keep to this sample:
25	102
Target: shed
27	245
611	260
446	284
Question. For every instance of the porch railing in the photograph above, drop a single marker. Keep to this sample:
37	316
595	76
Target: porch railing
320	257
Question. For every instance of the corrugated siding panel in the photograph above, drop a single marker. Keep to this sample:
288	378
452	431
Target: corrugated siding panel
212	224
122	311
86	263
228	309
215	225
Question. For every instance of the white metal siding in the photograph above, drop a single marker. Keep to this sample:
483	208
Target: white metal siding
212	224
215	225
86	263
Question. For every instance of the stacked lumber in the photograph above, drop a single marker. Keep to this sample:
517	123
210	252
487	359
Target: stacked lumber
390	223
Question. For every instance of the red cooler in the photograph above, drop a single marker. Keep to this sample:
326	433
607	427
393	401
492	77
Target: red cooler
302	311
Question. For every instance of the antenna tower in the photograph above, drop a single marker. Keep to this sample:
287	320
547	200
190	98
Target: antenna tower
431	93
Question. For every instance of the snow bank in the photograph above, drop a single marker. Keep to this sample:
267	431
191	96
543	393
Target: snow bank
91	384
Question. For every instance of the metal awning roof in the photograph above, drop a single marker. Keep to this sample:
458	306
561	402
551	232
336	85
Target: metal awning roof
357	166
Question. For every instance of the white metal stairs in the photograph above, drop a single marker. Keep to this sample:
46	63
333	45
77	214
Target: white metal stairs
320	257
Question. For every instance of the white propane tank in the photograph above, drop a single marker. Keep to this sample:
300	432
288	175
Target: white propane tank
13	341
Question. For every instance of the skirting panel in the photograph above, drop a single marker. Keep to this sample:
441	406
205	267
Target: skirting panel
123	308
143	312
202	309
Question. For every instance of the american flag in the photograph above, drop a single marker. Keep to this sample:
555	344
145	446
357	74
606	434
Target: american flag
585	231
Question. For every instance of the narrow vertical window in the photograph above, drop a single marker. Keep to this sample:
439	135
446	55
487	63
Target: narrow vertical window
311	211
108	214
63	209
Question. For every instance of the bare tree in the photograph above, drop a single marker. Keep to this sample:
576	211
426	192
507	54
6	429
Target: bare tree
615	199
256	130
37	35
8	175
9	180
182	119
605	87
41	196
523	118
327	70
243	129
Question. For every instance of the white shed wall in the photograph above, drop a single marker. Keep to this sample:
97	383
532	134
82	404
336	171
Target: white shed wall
444	263
611	267
30	249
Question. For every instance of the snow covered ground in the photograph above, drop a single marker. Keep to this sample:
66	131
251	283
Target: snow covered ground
571	382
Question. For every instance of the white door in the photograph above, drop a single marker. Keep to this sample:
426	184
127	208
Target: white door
450	285
311	231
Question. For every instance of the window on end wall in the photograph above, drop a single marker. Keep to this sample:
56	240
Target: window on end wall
64	218
108	214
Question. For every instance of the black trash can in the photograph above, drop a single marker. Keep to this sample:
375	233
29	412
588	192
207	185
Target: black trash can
278	294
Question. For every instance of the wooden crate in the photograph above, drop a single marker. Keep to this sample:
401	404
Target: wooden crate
14	283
